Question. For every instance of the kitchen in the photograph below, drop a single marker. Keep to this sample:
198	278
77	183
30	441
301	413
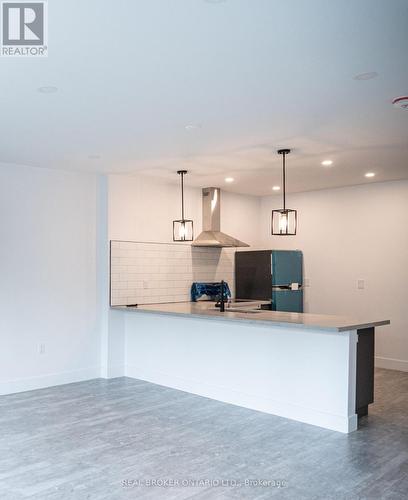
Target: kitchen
204	253
268	293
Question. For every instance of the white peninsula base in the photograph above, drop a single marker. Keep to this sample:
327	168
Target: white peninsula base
308	375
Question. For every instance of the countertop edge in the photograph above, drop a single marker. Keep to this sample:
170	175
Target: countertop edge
253	321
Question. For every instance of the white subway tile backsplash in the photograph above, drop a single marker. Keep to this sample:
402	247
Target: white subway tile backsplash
145	273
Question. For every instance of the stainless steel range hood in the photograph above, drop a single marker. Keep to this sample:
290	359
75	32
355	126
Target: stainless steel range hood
211	235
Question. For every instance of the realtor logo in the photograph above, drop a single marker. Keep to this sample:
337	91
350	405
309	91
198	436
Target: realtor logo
24	29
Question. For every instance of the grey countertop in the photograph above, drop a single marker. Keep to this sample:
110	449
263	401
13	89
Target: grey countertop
207	310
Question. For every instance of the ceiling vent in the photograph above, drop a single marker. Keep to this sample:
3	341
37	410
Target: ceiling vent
401	102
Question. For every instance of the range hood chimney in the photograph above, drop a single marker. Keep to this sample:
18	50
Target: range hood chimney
211	235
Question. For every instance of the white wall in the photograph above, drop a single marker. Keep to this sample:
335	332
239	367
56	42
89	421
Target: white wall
110	322
142	209
48	278
348	234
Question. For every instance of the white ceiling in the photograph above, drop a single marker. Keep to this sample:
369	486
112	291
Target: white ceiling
252	75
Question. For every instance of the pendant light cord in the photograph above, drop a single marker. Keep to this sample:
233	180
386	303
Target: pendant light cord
284	181
181	174
284	152
182	195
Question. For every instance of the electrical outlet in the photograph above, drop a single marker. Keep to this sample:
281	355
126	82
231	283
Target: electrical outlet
145	284
360	284
41	348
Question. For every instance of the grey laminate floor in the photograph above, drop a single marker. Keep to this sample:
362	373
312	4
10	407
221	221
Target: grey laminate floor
81	441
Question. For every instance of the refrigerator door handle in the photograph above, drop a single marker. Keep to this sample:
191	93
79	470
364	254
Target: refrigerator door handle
291	286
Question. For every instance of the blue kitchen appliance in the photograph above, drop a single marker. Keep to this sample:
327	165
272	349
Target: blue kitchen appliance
275	275
211	290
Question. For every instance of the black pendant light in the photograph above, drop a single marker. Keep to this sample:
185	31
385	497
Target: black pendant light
284	220
183	228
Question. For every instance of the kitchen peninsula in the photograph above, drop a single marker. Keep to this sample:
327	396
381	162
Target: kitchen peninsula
316	369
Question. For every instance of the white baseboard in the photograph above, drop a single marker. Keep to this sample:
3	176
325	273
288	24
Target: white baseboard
49	380
391	364
284	409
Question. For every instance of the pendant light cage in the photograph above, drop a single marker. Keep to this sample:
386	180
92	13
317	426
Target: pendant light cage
284	220
183	228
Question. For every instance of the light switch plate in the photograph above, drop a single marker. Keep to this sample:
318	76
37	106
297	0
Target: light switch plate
360	284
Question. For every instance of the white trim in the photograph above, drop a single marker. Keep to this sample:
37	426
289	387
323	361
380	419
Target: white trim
255	402
49	380
391	364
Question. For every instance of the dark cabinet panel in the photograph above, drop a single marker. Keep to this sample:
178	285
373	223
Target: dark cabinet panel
365	370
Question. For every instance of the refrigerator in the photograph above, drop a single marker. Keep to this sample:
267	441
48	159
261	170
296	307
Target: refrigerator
275	275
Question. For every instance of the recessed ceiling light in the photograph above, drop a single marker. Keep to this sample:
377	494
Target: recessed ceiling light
327	163
276	188
369	75
193	126
215	1
370	174
229	179
47	90
94	157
